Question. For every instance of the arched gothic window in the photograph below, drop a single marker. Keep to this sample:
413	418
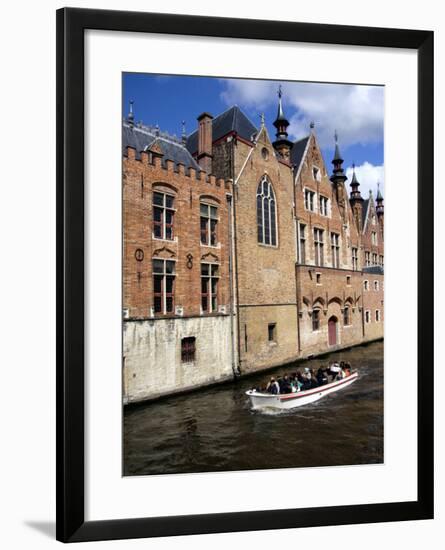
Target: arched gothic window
266	213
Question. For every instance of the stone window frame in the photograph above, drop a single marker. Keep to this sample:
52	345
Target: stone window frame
326	212
335	249
348	280
272	333
166	191
188	349
366	285
377	316
367	316
210	295
307	191
163	294
354	255
318	316
272	214
367	258
318	246
301	243
347	316
209	203
376	286
318	275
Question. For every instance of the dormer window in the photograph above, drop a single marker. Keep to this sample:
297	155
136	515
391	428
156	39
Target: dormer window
316	173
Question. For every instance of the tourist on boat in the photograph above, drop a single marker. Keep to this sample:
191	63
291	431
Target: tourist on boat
297	380
273	387
314	381
285	386
321	377
347	370
334	371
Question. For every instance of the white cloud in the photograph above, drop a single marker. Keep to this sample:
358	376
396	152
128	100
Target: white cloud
368	175
249	93
356	112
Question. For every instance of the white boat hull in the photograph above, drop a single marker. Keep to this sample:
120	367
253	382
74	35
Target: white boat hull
285	401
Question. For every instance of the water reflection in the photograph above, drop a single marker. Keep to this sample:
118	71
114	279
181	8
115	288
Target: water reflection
215	429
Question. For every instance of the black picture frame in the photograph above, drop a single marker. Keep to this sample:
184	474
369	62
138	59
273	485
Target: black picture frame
71	24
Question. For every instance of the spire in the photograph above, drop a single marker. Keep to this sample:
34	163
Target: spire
130	116
355	184
282	143
183	134
337	155
263	120
379	195
280	114
379	202
338	172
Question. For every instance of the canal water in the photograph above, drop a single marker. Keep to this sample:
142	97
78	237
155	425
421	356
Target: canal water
215	430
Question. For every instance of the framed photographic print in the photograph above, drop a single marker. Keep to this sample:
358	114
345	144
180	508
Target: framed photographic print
245	303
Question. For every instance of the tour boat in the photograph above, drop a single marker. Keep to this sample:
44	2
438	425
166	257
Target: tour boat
261	400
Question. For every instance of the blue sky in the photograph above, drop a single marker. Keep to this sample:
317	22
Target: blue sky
356	112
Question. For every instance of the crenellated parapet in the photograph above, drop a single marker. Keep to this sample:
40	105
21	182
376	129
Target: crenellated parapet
172	169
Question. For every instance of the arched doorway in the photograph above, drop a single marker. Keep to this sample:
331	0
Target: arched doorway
332	330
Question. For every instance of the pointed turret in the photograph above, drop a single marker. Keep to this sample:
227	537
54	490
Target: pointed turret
130	116
355	184
380	210
338	175
338	179
379	201
183	134
282	144
356	199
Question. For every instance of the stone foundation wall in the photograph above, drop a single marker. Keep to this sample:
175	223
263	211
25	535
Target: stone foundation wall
152	355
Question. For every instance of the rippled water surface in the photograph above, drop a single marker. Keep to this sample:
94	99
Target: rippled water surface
215	429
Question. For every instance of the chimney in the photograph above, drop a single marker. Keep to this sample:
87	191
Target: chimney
205	142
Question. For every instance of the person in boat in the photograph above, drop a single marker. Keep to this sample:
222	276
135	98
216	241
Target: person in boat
334	371
273	387
321	377
297	381
347	370
285	385
306	380
314	381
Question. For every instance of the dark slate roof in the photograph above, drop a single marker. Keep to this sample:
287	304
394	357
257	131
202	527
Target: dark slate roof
297	151
231	120
141	137
375	269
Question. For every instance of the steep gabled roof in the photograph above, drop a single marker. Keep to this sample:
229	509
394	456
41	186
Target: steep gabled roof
297	151
232	120
142	137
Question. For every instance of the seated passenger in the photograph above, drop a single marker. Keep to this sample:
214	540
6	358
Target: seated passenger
286	384
273	387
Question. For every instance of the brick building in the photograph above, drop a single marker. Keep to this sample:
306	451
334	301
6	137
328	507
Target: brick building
240	253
